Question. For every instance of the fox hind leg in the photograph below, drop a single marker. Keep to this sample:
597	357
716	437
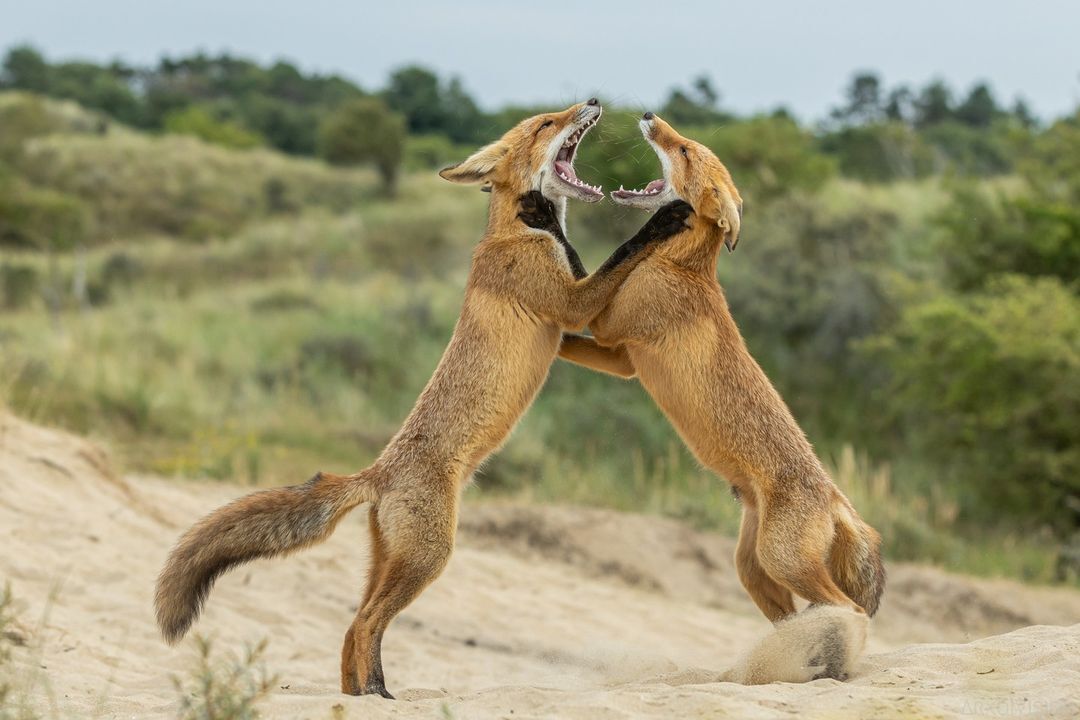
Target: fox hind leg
773	599
416	546
793	552
350	681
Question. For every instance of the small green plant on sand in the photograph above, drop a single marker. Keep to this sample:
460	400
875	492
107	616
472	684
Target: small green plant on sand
224	688
13	698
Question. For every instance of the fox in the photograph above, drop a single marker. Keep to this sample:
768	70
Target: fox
524	289
669	325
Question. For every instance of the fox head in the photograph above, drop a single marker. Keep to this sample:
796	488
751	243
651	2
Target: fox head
537	154
691	173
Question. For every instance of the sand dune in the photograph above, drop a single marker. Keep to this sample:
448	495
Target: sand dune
543	612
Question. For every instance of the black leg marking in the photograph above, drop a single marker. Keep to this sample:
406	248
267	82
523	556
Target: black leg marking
668	221
538	212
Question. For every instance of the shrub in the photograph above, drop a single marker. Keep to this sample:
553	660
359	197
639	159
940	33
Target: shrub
364	131
880	152
432	152
197	121
40	218
988	234
224	689
768	155
18	285
987	385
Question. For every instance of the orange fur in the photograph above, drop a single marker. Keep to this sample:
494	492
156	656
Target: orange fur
670	326
520	295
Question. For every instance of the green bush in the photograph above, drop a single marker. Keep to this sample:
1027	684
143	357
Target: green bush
22	118
971	150
198	122
987	386
432	152
987	234
880	152
1050	161
364	131
18	285
40	218
768	156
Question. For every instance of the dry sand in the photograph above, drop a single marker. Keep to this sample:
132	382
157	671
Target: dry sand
543	612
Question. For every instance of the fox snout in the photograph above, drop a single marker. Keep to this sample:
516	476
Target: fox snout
588	109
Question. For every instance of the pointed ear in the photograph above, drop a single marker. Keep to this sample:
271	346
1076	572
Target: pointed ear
726	212
478	166
731	239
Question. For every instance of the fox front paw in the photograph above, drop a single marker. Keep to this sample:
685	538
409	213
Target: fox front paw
538	212
669	220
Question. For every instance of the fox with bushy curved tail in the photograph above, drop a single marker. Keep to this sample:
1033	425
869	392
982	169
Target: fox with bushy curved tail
525	287
669	325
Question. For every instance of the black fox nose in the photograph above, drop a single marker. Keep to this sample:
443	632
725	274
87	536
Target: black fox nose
592	101
648	116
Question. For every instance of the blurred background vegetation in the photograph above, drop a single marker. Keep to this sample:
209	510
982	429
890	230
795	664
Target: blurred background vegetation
232	270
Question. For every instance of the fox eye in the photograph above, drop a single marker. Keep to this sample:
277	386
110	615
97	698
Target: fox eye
682	149
546	123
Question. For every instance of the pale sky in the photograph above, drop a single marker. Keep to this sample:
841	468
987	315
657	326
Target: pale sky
759	53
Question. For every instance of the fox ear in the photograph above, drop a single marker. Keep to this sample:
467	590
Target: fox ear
726	212
477	166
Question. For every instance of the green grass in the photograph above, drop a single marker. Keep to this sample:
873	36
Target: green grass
181	186
297	342
16	683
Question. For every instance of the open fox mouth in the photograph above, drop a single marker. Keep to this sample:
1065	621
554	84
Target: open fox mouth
658	192
564	162
653	188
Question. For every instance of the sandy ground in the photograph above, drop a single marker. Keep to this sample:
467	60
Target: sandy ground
543	612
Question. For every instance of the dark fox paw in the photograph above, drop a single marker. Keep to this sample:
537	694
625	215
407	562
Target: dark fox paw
669	220
372	688
539	212
378	689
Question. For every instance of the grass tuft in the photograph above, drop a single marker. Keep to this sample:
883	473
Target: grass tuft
226	688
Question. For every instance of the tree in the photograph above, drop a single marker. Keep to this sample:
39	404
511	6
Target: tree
979	109
1023	114
364	131
863	101
934	104
430	107
900	105
697	106
414	92
463	117
25	69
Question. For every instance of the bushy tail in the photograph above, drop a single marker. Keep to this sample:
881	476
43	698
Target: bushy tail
855	561
260	525
821	641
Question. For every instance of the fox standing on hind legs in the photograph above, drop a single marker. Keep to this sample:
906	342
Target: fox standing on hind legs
524	288
669	325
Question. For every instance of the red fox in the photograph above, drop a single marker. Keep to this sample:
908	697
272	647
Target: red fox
669	325
524	288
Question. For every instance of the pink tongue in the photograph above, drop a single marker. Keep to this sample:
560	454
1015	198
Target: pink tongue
566	169
654	185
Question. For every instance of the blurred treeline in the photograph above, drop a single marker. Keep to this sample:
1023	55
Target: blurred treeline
175	279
